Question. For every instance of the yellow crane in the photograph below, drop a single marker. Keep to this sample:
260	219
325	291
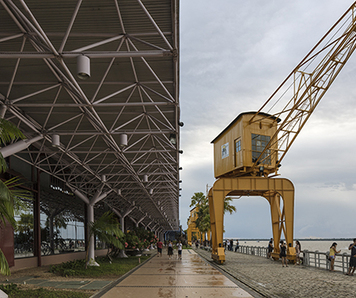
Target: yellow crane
249	152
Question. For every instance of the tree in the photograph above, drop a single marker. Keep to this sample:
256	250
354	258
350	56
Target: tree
203	219
228	207
10	195
203	214
198	199
107	229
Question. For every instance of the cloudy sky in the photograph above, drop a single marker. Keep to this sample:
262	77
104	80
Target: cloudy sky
234	54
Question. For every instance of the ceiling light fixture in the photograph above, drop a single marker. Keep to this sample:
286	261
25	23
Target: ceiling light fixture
122	140
173	139
103	178
55	141
83	67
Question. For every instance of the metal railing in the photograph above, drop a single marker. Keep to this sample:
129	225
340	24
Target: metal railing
309	258
253	250
319	260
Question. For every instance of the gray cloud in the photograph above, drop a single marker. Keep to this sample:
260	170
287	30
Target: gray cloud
234	54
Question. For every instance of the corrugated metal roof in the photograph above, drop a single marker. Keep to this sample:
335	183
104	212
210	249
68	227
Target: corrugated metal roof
136	94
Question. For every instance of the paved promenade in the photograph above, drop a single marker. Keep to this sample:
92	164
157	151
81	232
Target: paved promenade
190	277
270	279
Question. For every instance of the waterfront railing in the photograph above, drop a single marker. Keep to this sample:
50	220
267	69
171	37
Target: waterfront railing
314	259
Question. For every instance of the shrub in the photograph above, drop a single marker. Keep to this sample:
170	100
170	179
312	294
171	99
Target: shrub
9	288
139	238
68	268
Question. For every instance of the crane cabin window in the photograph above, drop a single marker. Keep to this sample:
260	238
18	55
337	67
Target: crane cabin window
259	143
238	145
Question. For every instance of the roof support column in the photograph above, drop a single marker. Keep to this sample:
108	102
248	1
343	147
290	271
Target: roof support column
18	146
154	227
133	220
90	216
160	234
37	220
157	232
139	221
148	225
122	217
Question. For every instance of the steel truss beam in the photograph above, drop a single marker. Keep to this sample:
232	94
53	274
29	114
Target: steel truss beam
134	77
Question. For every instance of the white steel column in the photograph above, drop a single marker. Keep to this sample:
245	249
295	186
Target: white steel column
122	217
138	222
18	146
90	215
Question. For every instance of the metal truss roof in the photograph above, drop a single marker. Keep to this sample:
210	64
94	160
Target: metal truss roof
133	89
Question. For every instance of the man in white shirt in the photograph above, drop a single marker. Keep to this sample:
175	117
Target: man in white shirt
180	248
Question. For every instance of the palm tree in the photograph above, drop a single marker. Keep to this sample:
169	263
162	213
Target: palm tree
203	215
228	207
198	199
203	219
9	195
107	229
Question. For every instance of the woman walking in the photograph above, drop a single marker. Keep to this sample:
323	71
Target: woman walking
179	246
170	249
283	253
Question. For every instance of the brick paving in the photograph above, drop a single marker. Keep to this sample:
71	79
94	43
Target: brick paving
270	279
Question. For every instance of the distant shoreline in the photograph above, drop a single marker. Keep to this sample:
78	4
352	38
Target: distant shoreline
300	239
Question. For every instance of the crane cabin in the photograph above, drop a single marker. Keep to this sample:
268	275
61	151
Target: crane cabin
238	148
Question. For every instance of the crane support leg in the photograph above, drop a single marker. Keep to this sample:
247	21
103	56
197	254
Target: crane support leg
273	189
216	208
282	221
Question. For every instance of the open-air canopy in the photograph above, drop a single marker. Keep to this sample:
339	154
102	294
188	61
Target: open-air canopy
93	85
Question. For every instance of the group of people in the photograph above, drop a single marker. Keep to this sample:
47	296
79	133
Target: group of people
169	249
283	252
331	256
352	264
229	244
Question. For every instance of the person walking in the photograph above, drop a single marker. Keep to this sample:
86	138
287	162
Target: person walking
270	249
283	253
298	250
180	249
352	264
332	255
170	249
237	245
159	248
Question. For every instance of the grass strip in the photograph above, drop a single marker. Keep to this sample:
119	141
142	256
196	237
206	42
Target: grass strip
114	268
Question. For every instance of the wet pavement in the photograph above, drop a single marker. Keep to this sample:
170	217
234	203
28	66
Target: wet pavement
270	279
170	278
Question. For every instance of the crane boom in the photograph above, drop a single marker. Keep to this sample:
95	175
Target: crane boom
306	85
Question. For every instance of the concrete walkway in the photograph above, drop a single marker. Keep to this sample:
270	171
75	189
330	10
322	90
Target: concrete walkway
270	279
171	278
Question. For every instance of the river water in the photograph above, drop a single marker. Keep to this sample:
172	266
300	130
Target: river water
311	245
